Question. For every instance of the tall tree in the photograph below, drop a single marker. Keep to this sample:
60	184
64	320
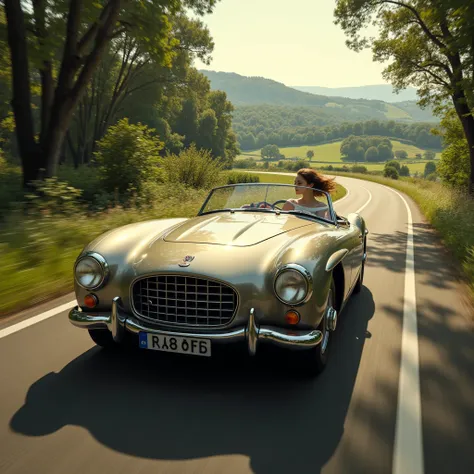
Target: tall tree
430	44
81	30
127	70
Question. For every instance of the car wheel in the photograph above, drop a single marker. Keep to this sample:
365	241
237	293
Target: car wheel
313	361
360	280
103	338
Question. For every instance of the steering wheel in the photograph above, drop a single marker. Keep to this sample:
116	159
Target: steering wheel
264	204
277	202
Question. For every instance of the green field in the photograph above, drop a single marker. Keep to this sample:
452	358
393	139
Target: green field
329	152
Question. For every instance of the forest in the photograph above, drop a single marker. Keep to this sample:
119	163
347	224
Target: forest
259	125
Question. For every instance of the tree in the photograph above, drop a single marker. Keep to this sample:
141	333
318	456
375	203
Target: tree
429	155
270	152
393	163
372	155
401	154
453	167
430	45
385	152
81	31
310	154
127	69
404	170
430	167
390	172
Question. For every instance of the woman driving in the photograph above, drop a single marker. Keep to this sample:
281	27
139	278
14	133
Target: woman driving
307	202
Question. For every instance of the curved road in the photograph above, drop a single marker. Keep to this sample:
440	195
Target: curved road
381	406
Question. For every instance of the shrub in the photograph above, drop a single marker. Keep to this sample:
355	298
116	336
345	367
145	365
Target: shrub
401	154
430	167
395	164
194	168
242	164
52	197
359	169
390	172
404	171
128	157
235	178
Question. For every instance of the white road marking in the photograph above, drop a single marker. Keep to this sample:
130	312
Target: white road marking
408	449
366	204
36	319
343	197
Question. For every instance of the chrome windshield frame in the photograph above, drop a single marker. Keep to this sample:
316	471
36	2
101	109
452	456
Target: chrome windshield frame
332	212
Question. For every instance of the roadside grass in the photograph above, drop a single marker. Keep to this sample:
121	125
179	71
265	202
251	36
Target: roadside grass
450	212
329	152
37	254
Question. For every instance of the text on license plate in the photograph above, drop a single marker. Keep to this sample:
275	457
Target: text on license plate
181	345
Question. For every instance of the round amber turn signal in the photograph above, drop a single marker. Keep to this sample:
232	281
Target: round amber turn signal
91	301
292	317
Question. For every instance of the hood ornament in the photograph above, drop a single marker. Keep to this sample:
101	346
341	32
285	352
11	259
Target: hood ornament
186	261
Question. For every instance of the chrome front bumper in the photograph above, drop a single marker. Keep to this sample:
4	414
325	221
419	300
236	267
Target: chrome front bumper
118	322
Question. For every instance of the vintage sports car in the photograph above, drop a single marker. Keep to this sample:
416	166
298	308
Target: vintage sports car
242	271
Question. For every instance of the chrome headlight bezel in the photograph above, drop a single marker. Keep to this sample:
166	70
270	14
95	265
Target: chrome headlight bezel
294	267
103	265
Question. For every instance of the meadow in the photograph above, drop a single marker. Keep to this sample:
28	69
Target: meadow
329	153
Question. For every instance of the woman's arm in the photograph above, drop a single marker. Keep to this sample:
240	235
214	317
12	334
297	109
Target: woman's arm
288	206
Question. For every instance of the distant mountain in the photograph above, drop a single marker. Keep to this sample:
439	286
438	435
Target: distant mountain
382	92
250	91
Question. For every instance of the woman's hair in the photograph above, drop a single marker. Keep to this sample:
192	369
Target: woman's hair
317	180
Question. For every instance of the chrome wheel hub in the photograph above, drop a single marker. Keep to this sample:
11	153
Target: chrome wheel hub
331	319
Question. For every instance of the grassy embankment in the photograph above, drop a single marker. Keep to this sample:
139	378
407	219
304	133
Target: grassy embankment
37	253
449	212
329	153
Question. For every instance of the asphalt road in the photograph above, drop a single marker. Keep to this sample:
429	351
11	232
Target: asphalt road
67	407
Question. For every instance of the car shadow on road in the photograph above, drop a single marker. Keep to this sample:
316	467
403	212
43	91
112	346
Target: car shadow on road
159	406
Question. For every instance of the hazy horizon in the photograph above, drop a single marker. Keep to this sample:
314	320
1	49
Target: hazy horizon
300	46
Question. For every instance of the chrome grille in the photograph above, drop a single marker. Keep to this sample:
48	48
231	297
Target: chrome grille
184	300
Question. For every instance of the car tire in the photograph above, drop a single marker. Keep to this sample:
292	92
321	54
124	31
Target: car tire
103	338
360	280
313	361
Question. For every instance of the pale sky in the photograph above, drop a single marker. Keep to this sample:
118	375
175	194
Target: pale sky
294	42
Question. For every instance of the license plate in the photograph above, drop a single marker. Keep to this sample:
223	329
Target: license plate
178	344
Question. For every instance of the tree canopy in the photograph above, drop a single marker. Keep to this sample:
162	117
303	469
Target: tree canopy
428	43
56	48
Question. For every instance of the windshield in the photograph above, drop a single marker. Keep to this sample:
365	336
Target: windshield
275	198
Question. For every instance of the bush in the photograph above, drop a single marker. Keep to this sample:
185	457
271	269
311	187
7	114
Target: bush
247	163
359	169
401	154
194	168
128	157
390	172
430	167
235	178
404	171
395	164
52	197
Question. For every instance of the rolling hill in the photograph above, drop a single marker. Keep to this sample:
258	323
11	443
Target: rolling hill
245	91
375	92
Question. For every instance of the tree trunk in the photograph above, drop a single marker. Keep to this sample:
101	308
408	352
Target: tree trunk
467	121
21	101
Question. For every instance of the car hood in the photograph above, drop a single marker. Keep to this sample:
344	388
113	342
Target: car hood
234	228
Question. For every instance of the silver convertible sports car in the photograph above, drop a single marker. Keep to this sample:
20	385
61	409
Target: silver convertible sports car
243	271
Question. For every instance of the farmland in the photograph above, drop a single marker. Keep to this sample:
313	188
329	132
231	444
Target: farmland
329	153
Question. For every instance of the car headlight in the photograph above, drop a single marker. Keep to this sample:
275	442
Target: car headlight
293	284
91	271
